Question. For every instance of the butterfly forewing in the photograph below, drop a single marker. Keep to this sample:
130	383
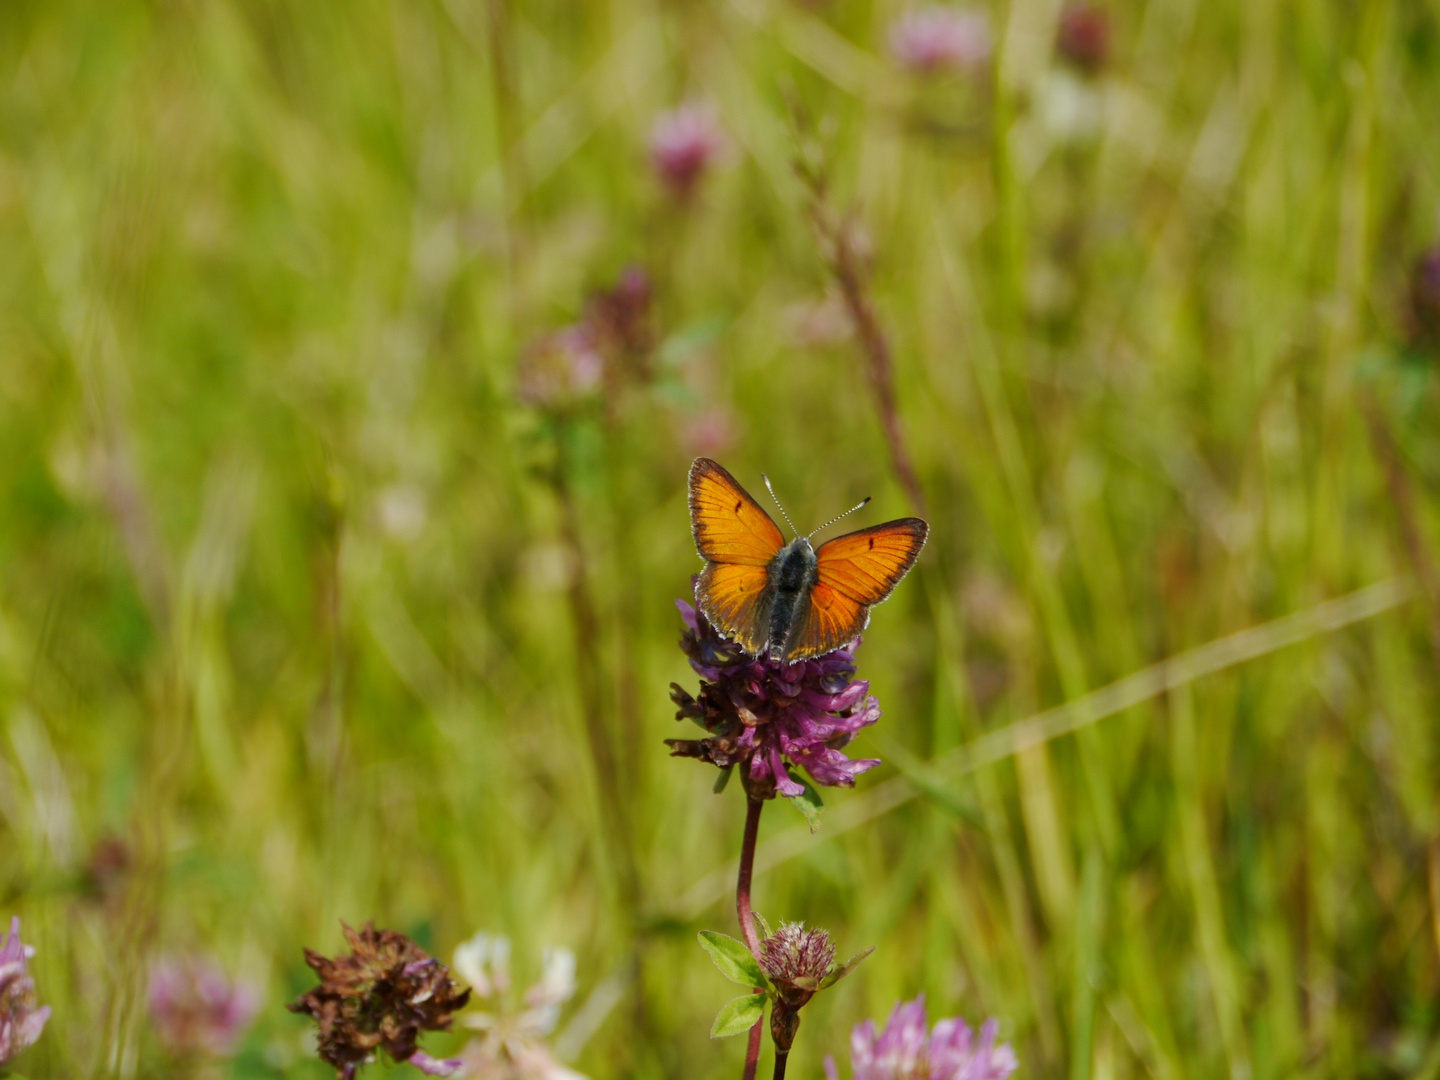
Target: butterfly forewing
738	541
728	524
867	565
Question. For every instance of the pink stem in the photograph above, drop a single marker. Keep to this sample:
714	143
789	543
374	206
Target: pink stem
747	918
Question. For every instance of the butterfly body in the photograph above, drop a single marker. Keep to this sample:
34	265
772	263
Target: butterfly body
792	575
789	601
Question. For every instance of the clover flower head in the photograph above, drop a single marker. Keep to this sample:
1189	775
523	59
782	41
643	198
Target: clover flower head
940	38
484	962
196	1009
761	713
905	1050
510	1044
21	1021
380	997
797	956
684	143
1084	36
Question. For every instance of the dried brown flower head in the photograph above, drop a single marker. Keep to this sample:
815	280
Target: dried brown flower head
380	997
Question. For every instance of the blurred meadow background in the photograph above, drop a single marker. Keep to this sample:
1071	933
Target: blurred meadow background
352	357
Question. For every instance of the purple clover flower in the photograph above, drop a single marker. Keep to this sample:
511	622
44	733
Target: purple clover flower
906	1051
20	1021
684	143
940	38
1084	36
762	712
197	1010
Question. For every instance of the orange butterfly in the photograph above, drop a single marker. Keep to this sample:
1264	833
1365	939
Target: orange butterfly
789	601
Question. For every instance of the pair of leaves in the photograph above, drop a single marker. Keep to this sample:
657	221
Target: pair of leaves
734	960
737	964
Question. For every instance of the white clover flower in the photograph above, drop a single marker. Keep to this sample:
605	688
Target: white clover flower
510	1041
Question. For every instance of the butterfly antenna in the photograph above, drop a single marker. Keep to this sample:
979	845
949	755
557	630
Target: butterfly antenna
777	504
846	514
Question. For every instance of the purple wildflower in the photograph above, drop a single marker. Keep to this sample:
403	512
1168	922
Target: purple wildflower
684	143
905	1051
761	712
197	1010
1084	36
20	1021
940	38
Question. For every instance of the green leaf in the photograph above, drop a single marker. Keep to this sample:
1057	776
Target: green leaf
845	968
738	1016
723	779
733	959
761	926
808	803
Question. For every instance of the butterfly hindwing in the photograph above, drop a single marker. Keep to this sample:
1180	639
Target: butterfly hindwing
729	526
824	621
853	573
737	599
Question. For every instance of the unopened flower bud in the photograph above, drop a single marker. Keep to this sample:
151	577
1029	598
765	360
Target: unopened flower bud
784	1023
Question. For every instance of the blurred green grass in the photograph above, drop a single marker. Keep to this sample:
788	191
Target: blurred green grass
282	598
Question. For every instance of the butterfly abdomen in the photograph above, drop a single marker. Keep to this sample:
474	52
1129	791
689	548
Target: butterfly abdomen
791	575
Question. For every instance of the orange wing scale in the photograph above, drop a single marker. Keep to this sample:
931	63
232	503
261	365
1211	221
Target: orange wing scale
729	526
738	541
854	573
